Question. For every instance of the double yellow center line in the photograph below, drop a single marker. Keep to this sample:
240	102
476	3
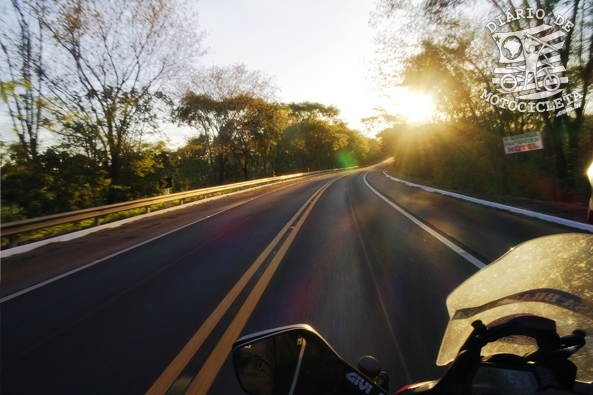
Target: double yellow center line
204	379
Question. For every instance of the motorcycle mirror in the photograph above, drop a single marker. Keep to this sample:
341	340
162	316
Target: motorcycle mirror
287	361
296	360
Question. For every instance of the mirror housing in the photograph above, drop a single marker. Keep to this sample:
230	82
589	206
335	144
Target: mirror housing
295	360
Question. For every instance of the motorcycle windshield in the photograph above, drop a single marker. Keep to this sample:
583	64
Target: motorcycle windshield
550	277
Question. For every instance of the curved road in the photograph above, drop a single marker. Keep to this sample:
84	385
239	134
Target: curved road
155	311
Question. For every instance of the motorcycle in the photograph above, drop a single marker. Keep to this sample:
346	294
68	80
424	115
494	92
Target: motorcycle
517	327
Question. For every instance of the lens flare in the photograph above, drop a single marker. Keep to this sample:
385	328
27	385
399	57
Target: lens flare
346	159
417	108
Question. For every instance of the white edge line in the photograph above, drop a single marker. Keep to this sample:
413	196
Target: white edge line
545	217
60	276
115	224
476	262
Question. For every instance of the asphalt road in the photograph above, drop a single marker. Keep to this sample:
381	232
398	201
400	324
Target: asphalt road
326	251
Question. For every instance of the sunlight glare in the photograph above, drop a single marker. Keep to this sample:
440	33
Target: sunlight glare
417	108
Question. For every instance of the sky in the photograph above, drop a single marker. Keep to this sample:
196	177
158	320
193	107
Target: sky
315	49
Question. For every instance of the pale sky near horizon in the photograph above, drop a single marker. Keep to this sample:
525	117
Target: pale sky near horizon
313	48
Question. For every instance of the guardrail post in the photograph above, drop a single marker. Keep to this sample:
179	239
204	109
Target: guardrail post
97	221
167	191
147	209
12	241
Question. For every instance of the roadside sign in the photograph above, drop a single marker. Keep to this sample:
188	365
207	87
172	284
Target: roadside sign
165	183
523	142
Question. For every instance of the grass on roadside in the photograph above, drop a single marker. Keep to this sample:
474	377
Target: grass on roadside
62	229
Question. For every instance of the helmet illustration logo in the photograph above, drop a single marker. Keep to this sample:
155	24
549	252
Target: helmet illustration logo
530	63
530	70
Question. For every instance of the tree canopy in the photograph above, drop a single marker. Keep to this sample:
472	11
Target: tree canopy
102	77
443	48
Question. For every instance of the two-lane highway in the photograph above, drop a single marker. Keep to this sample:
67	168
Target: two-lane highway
327	251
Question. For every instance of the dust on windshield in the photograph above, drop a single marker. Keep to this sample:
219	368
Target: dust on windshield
550	277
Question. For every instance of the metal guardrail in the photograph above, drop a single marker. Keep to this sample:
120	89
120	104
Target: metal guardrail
12	229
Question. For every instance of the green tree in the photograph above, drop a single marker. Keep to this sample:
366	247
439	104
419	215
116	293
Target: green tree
143	164
220	102
269	124
116	60
256	134
317	139
22	90
443	48
66	182
22	69
190	167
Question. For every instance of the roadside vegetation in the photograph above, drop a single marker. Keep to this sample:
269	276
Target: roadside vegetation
443	50
90	86
103	79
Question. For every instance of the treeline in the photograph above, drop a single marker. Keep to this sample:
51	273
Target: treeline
243	129
101	79
444	50
68	179
457	156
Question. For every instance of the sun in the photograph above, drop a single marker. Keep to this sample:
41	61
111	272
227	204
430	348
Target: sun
417	108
